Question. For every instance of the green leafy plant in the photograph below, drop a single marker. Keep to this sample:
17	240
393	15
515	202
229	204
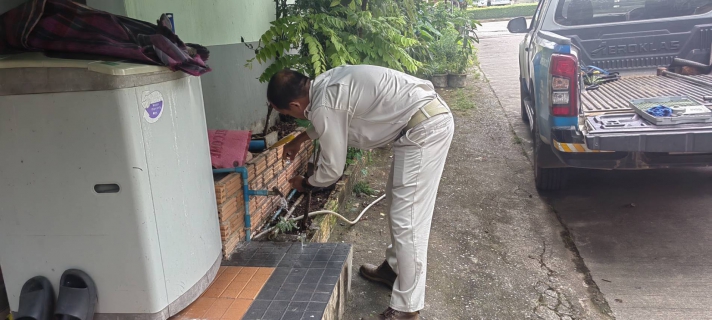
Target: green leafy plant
451	35
354	155
362	187
285	225
317	35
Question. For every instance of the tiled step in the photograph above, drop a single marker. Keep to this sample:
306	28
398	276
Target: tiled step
282	281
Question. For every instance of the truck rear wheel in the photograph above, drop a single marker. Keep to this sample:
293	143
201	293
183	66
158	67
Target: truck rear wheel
546	179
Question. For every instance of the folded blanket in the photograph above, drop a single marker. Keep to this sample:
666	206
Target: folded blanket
68	27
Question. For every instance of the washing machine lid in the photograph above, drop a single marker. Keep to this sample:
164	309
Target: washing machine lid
36	72
114	68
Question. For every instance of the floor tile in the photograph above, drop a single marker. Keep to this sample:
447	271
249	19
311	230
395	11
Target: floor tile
263	271
273	315
216	311
213	292
220	284
234	314
291	315
316	306
267	280
279	305
243	277
261	277
248	293
241	303
309	315
237	285
297	306
249	270
230	294
254	314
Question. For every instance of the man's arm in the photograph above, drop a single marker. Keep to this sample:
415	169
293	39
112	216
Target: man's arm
331	127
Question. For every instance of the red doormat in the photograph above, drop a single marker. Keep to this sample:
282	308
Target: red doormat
228	148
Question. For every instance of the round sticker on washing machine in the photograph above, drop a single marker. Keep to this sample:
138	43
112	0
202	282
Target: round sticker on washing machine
152	104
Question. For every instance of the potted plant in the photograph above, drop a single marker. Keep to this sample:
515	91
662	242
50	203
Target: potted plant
439	76
443	50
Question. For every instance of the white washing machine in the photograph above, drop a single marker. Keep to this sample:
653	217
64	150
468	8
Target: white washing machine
105	167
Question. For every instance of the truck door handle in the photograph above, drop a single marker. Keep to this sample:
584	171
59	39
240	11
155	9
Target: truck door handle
526	49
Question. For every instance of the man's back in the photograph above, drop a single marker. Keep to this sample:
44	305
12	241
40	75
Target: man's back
380	101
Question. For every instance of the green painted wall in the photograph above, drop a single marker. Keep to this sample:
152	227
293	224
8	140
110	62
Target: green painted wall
209	22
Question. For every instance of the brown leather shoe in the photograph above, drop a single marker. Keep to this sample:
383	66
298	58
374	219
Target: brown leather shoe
391	314
383	273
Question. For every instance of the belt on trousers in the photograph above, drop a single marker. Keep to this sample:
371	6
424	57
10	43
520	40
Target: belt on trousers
433	108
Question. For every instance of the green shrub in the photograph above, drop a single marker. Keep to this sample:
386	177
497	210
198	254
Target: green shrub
500	12
362	187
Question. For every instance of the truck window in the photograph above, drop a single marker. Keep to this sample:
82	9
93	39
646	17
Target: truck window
587	12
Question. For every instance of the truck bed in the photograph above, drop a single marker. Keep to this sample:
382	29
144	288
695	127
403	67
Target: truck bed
615	96
611	125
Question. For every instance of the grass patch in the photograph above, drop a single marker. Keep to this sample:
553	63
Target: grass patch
517	140
501	12
462	101
363	188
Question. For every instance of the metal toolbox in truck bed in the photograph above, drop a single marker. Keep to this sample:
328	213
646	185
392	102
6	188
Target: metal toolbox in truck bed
684	110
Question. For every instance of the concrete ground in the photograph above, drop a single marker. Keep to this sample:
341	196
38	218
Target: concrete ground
497	251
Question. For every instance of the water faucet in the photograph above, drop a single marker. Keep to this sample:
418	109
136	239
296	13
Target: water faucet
275	192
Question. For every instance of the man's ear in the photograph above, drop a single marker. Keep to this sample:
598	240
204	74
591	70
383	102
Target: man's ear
295	106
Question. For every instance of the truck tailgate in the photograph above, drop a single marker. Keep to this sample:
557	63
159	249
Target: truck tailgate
611	125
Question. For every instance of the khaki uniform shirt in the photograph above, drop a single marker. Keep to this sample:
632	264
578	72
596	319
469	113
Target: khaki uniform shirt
363	107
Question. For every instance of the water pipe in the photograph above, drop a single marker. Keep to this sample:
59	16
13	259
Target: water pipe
246	193
289	197
316	213
257	146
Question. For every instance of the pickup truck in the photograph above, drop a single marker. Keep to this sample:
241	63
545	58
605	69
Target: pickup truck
577	124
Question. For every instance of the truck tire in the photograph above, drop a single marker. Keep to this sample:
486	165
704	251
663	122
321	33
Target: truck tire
546	179
522	96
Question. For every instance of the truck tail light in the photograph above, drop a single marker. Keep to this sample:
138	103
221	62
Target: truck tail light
564	93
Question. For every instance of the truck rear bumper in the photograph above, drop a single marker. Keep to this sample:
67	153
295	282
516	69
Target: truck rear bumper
690	140
634	160
572	149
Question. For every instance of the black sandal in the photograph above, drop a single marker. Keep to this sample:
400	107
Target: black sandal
77	296
36	300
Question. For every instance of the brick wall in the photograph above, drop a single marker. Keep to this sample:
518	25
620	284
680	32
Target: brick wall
265	171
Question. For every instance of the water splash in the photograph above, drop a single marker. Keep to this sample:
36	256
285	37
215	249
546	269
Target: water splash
283	203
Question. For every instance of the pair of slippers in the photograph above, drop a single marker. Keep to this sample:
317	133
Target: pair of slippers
76	301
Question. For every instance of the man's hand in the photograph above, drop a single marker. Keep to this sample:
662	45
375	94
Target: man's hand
291	149
298	183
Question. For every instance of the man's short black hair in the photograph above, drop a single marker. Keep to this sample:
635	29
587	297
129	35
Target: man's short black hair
286	86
